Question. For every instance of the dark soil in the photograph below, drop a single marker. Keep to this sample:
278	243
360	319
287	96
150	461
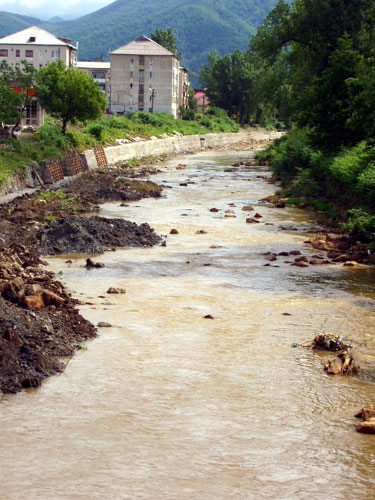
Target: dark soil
39	322
115	185
93	235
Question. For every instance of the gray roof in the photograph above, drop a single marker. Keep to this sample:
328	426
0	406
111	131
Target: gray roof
143	46
42	37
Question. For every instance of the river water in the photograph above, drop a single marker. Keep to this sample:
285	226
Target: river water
169	405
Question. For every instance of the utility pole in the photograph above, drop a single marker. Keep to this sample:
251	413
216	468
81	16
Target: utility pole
153	94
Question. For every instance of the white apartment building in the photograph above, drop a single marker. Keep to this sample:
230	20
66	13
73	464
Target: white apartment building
37	47
145	77
99	71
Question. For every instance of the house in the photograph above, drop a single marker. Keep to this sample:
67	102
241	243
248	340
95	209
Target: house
145	77
202	100
99	71
37	47
184	83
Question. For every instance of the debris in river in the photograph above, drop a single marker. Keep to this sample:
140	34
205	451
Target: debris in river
368	415
201	231
251	221
366	412
90	263
103	324
329	342
116	290
208	316
343	364
366	427
173	231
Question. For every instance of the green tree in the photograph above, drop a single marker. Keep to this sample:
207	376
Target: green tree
68	94
229	84
321	44
166	38
15	92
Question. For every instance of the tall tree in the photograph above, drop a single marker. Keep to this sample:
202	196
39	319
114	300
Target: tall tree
229	84
322	43
16	86
68	94
166	38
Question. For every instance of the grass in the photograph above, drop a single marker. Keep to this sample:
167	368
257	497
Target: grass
49	142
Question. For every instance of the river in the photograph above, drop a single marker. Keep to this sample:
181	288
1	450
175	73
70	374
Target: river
170	405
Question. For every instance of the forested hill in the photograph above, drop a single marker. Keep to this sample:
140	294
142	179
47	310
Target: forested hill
200	26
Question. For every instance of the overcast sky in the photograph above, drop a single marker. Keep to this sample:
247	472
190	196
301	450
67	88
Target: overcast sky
45	9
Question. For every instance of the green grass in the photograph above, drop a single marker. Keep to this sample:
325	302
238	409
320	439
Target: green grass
49	142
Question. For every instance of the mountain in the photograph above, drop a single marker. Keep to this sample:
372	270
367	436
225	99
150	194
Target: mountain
11	23
200	26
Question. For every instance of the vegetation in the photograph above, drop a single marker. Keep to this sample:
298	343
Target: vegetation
49	142
68	94
166	38
15	92
328	159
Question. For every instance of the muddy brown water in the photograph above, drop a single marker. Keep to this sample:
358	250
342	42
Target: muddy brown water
169	405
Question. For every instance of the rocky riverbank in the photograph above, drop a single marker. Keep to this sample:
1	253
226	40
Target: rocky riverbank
39	321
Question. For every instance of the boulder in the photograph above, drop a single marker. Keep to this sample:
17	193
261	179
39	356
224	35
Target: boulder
173	231
34	302
366	412
116	290
13	290
247	208
350	263
51	299
300	264
366	427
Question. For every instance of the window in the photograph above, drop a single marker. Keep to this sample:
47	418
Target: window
41	54
140	108
131	85
131	62
150	62
55	53
140	100
29	53
100	75
131	74
141	75
141	88
150	74
3	52
18	53
141	60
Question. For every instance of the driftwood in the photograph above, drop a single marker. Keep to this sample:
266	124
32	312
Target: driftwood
329	342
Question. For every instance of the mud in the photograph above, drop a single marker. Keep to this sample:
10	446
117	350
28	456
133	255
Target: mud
115	184
93	235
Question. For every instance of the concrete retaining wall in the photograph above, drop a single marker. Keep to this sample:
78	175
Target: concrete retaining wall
175	145
171	145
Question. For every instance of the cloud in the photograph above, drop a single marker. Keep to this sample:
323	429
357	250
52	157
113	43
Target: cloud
44	9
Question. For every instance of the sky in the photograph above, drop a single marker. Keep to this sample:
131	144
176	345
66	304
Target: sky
45	9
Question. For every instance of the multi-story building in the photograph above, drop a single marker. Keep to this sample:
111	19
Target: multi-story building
99	71
37	47
145	77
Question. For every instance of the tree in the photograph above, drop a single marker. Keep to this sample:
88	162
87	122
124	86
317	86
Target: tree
229	84
166	38
321	44
68	94
15	92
